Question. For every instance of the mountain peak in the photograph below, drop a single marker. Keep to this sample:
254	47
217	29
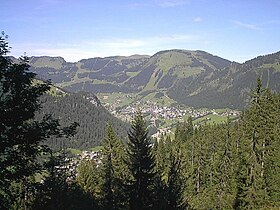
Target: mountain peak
195	78
47	61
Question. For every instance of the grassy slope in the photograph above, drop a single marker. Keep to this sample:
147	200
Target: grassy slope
52	62
275	66
54	91
235	81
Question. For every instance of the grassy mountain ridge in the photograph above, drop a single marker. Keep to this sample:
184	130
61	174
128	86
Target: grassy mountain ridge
166	67
194	78
230	87
125	74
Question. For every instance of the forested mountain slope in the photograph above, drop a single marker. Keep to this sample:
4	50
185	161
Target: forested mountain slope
126	74
84	109
194	78
229	87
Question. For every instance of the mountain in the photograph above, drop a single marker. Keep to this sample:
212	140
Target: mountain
94	75
126	74
83	108
194	78
229	87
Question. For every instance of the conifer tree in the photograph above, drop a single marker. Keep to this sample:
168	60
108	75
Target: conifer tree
175	184
160	153
21	136
89	179
170	165
184	131
141	164
219	170
270	153
114	171
257	138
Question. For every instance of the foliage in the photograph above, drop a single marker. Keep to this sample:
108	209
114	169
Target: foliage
141	164
260	152
169	158
234	165
115	172
92	120
22	137
194	78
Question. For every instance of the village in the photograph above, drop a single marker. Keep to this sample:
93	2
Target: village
156	111
158	115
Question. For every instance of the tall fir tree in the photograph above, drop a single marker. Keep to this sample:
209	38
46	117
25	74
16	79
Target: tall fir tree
171	181
114	171
224	168
19	134
256	150
141	164
270	152
175	185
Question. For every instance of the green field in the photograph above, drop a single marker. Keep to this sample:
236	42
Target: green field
119	99
212	119
186	72
171	59
163	100
276	66
131	73
74	151
49	62
97	148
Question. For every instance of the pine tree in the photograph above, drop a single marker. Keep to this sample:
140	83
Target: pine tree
271	150
170	177
220	168
141	164
22	137
89	179
184	131
160	153
256	147
114	171
175	184
18	102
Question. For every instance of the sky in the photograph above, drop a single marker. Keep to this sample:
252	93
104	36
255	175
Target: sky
237	30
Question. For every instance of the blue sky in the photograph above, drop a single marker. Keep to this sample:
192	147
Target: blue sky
237	30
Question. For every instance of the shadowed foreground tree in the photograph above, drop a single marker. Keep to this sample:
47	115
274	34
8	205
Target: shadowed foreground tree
21	137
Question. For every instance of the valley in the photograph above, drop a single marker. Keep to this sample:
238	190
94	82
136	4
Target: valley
163	113
192	78
168	87
84	141
140	105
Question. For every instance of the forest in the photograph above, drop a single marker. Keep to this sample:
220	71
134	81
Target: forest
235	165
75	107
